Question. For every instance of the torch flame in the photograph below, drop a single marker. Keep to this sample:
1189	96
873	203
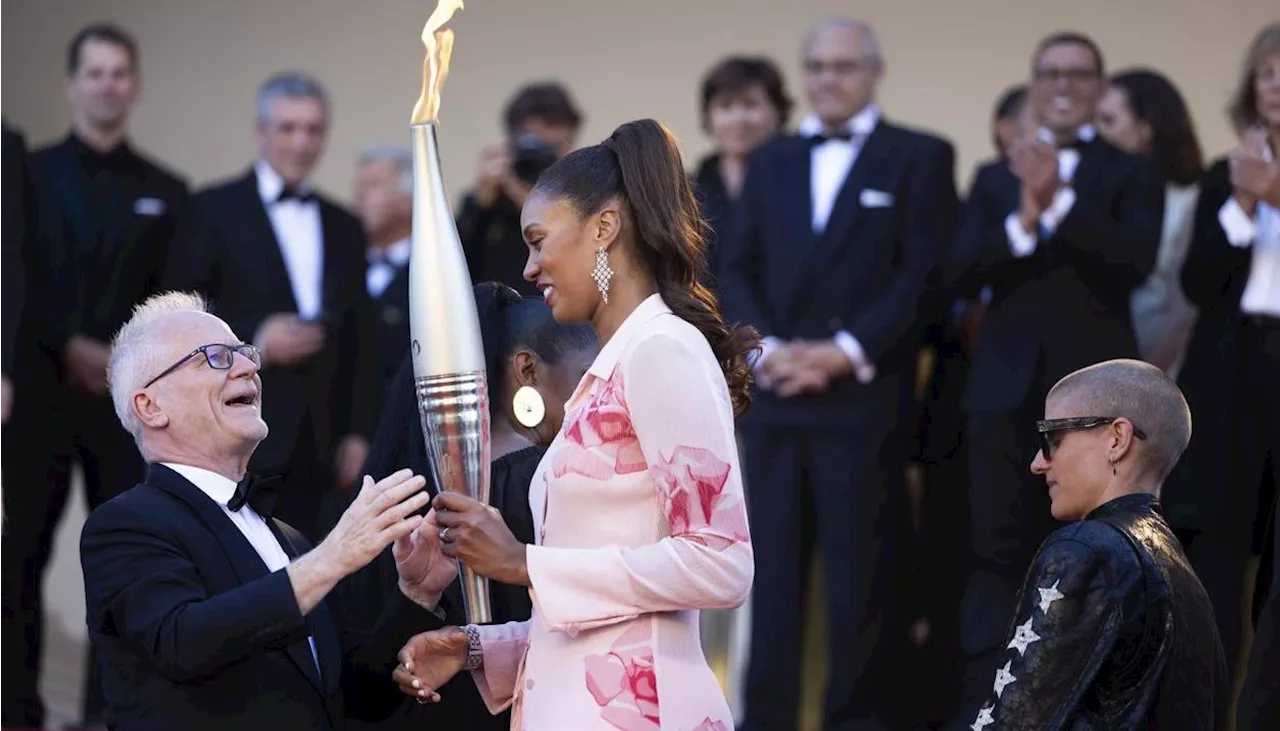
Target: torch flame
435	67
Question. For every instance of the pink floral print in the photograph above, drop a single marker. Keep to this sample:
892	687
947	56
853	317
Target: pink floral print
624	682
692	482
599	439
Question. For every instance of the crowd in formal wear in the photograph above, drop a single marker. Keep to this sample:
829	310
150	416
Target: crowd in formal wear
909	334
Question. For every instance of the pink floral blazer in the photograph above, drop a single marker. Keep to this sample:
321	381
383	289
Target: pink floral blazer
640	518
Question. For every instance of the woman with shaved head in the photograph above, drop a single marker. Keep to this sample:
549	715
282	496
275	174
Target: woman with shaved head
1113	628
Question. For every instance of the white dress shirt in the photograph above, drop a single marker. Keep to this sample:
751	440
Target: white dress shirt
251	525
829	165
300	236
383	269
1024	244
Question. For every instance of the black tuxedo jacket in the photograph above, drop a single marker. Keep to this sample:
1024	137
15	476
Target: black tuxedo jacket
391	331
95	262
18	224
192	631
865	273
226	249
1067	305
1221	453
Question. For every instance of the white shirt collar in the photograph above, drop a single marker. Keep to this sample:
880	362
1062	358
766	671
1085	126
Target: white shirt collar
397	253
859	125
1086	133
217	487
270	183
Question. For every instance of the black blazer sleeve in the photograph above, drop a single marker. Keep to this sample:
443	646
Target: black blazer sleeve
195	257
741	256
1116	245
927	227
1214	270
18	223
981	250
1066	640
140	583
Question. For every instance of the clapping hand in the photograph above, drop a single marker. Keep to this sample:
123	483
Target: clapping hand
1035	163
1254	176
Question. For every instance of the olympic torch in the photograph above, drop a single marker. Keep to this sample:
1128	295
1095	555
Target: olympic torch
448	355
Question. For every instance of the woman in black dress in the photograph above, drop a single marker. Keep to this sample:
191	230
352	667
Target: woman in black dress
529	359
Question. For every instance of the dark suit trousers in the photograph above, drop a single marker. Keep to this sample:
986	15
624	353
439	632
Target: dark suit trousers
827	488
1009	519
50	428
1259	706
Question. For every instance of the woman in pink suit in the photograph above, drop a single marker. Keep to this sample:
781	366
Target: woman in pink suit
637	506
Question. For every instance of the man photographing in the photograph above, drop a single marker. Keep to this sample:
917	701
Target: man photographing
541	123
206	612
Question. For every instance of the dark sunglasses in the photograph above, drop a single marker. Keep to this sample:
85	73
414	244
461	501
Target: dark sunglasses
1048	427
218	355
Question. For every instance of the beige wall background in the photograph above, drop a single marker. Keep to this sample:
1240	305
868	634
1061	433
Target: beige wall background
947	61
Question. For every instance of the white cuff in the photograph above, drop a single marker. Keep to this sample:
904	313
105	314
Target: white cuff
863	370
1241	229
1022	243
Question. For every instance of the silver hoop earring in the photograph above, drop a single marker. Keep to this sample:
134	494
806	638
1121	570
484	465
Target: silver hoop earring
602	274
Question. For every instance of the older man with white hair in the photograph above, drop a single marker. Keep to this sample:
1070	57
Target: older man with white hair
204	611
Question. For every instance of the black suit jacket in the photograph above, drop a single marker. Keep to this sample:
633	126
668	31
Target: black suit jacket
18	223
1067	305
1220	453
226	248
92	266
865	273
192	631
391	331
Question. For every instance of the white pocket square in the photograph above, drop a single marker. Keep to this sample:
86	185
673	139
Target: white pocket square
875	198
148	206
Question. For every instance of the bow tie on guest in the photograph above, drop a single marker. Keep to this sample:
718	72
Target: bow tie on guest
822	137
290	192
259	492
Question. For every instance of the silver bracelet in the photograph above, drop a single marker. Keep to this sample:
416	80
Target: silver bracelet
475	653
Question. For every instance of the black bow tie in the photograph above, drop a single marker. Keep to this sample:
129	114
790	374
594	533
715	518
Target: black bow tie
258	492
290	192
818	139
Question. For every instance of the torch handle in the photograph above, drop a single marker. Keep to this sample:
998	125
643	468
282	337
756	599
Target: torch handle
454	409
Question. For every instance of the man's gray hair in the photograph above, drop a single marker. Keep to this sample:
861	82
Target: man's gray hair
397	156
861	26
135	354
1143	394
289	85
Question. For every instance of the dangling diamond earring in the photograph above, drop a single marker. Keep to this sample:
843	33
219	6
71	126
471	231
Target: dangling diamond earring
603	273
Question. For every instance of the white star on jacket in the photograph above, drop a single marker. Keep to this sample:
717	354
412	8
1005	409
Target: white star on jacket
1003	678
984	719
1023	637
1049	596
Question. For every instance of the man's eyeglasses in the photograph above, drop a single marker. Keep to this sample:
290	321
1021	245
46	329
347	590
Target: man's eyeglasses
1049	427
1073	75
218	355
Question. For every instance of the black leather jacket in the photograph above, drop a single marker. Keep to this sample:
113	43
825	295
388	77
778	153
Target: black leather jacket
1113	631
